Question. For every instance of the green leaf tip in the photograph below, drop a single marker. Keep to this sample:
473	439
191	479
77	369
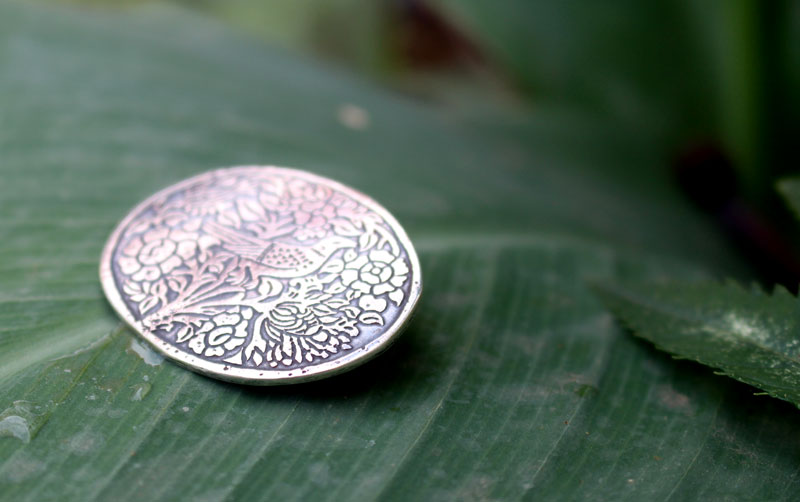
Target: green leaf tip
789	188
745	334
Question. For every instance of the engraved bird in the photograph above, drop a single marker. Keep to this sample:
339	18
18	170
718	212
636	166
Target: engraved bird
283	260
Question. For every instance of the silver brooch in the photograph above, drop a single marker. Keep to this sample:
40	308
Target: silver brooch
262	275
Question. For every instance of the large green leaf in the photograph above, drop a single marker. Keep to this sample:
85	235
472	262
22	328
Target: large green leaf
512	379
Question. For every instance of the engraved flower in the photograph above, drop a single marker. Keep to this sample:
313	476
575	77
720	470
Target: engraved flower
309	311
300	189
313	219
309	327
308	204
292	318
223	332
376	273
159	251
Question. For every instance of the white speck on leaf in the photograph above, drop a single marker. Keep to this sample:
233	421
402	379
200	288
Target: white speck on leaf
116	413
148	355
17	427
140	391
84	442
22	467
746	328
673	399
319	473
353	117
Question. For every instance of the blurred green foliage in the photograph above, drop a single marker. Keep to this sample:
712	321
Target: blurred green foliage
347	31
686	71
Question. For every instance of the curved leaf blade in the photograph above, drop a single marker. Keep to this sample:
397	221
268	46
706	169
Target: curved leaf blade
747	335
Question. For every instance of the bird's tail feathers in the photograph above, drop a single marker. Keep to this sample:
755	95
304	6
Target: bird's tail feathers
250	251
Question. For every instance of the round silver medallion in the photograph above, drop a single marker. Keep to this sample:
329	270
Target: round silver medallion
262	275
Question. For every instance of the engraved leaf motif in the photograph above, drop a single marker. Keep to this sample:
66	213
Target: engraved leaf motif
250	210
371	318
369	302
148	304
334	266
269	287
230	218
397	296
336	287
176	283
346	228
185	333
367	241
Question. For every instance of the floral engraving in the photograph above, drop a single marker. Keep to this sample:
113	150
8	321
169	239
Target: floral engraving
261	268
